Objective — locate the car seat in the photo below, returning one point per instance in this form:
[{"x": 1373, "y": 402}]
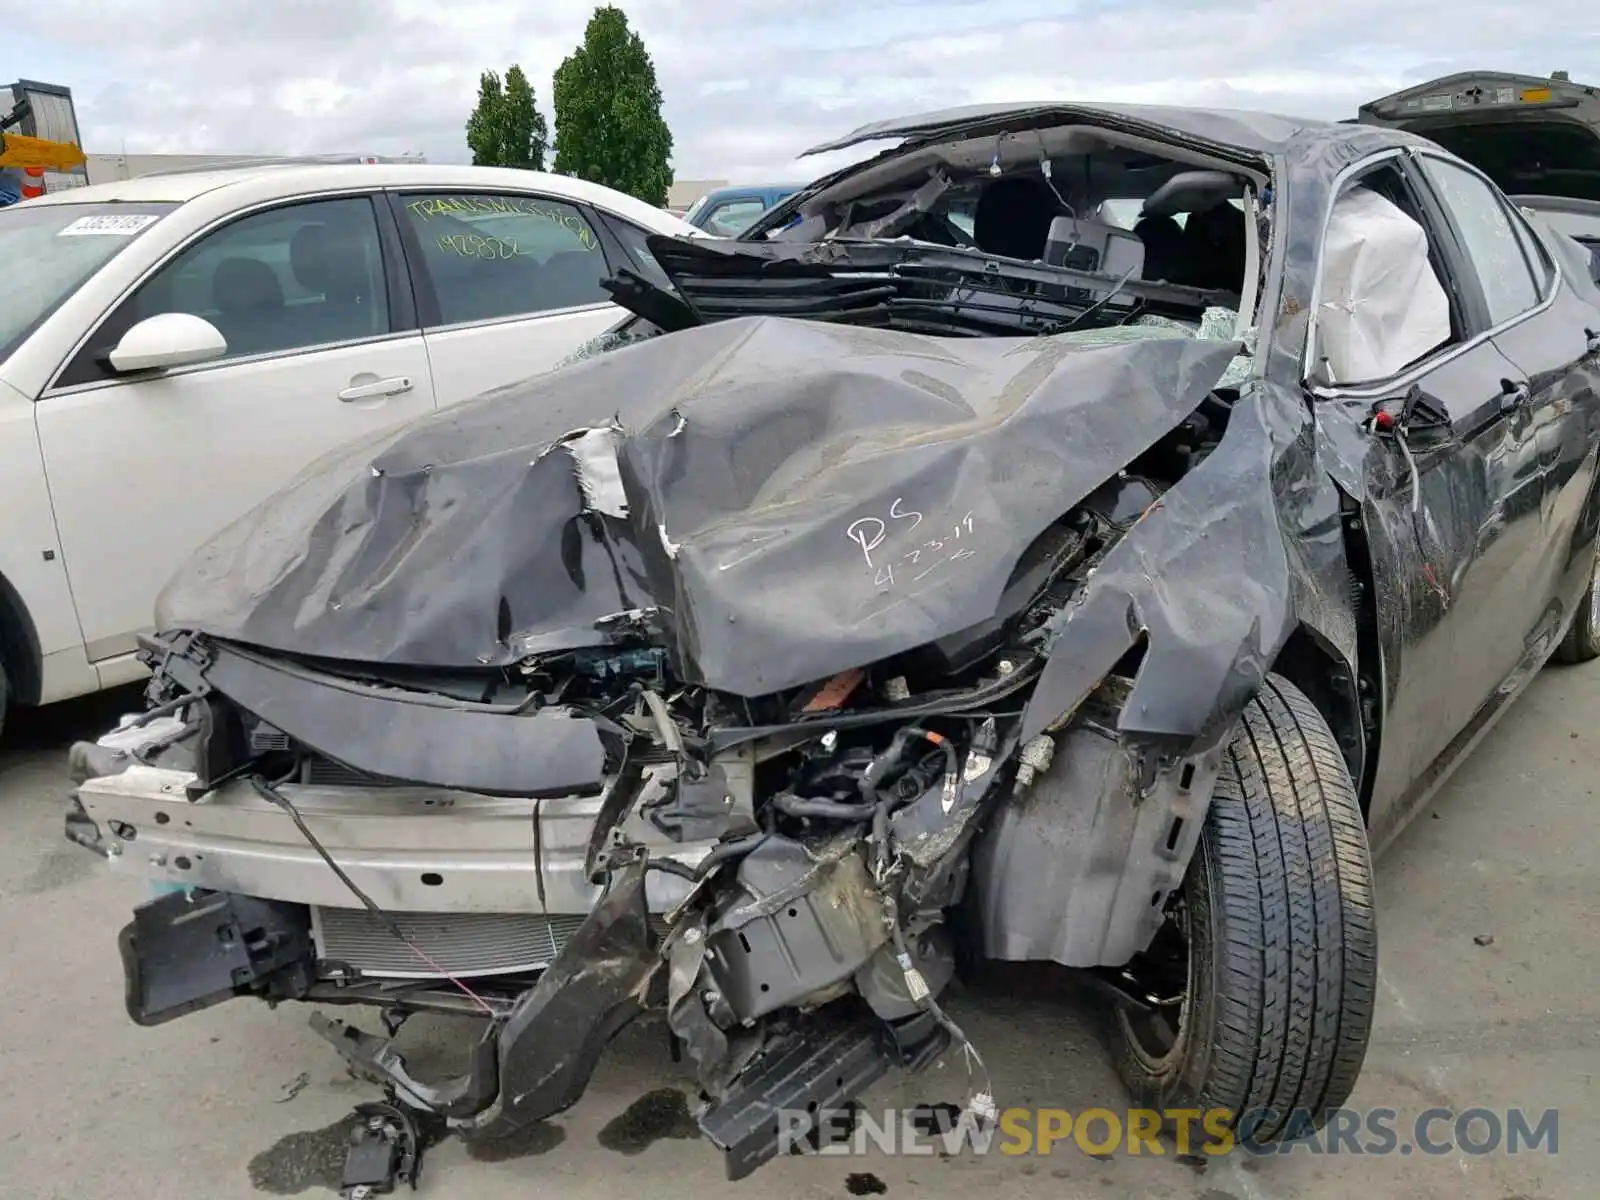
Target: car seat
[
  {"x": 329, "y": 263},
  {"x": 1214, "y": 246},
  {"x": 1211, "y": 253},
  {"x": 1013, "y": 217},
  {"x": 572, "y": 277},
  {"x": 248, "y": 299},
  {"x": 1163, "y": 247}
]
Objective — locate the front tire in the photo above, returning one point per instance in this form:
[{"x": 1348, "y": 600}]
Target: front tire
[
  {"x": 1278, "y": 938},
  {"x": 1582, "y": 643}
]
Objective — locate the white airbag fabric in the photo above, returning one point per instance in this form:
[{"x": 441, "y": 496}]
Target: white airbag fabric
[{"x": 1382, "y": 306}]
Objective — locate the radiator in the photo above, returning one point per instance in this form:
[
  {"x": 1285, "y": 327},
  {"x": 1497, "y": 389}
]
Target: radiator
[{"x": 464, "y": 944}]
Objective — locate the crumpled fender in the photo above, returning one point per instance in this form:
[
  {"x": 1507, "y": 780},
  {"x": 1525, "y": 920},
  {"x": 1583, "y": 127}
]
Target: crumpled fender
[{"x": 1214, "y": 580}]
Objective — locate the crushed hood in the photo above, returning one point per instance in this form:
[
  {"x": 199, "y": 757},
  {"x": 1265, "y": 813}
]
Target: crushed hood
[{"x": 773, "y": 500}]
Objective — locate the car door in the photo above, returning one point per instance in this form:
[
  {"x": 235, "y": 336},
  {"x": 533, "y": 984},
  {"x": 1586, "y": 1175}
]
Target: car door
[
  {"x": 322, "y": 349},
  {"x": 508, "y": 284},
  {"x": 1452, "y": 509},
  {"x": 1553, "y": 335},
  {"x": 1545, "y": 329}
]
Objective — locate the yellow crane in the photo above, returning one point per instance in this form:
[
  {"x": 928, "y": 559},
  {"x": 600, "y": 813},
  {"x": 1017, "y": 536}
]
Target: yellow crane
[
  {"x": 39, "y": 134},
  {"x": 19, "y": 150}
]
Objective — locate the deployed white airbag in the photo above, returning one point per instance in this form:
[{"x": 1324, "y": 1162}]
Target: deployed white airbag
[{"x": 1382, "y": 306}]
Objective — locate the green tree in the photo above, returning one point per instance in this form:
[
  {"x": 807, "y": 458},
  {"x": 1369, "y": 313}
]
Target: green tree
[
  {"x": 507, "y": 129},
  {"x": 609, "y": 128}
]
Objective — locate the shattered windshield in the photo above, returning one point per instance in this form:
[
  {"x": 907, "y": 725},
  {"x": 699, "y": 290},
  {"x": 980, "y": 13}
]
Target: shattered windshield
[
  {"x": 1216, "y": 324},
  {"x": 1036, "y": 232}
]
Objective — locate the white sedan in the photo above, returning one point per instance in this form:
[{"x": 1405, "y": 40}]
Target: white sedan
[{"x": 175, "y": 348}]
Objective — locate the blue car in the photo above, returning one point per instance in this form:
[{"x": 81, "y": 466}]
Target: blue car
[{"x": 729, "y": 211}]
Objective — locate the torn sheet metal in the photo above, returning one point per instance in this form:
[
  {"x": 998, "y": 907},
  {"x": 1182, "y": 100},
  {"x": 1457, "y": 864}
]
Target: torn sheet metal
[
  {"x": 1213, "y": 580},
  {"x": 536, "y": 1063},
  {"x": 801, "y": 498},
  {"x": 595, "y": 453}
]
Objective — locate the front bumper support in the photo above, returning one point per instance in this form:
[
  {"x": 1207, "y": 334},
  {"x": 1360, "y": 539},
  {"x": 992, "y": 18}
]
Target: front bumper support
[
  {"x": 413, "y": 849},
  {"x": 187, "y": 951}
]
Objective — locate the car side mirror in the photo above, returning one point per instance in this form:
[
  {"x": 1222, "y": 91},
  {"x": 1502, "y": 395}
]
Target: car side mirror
[{"x": 168, "y": 340}]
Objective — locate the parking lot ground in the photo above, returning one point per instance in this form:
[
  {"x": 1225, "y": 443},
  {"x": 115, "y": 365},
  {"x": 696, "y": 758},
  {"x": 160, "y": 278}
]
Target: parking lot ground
[{"x": 241, "y": 1101}]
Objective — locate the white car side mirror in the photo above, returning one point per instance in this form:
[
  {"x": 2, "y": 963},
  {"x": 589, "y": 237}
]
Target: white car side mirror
[{"x": 168, "y": 340}]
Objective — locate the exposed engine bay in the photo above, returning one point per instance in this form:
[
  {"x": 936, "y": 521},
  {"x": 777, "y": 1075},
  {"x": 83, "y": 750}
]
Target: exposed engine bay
[{"x": 805, "y": 851}]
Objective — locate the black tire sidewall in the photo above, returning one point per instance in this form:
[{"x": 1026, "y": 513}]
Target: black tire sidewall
[
  {"x": 1587, "y": 644},
  {"x": 1178, "y": 1080},
  {"x": 1187, "y": 1077},
  {"x": 1581, "y": 643}
]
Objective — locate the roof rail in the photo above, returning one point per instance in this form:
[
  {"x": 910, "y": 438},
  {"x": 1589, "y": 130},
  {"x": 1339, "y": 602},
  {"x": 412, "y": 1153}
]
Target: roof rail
[{"x": 306, "y": 160}]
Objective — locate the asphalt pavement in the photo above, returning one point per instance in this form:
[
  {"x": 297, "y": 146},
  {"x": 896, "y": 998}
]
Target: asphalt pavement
[{"x": 1489, "y": 999}]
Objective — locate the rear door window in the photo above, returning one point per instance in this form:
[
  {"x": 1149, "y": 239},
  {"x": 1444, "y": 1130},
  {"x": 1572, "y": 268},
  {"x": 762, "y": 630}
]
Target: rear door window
[
  {"x": 491, "y": 256},
  {"x": 1485, "y": 225}
]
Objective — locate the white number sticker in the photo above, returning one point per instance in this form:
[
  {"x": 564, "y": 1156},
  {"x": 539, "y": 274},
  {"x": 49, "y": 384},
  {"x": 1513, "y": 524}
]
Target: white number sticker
[{"x": 121, "y": 225}]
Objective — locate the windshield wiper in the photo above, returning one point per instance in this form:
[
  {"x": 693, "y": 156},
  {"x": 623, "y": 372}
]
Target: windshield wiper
[
  {"x": 912, "y": 256},
  {"x": 878, "y": 283}
]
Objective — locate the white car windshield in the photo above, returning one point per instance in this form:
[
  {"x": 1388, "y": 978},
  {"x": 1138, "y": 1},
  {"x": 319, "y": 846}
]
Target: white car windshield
[{"x": 51, "y": 249}]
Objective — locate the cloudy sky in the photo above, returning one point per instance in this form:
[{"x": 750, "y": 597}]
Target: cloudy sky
[{"x": 747, "y": 83}]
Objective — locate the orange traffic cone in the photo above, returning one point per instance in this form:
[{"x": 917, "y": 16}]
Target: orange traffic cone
[{"x": 33, "y": 184}]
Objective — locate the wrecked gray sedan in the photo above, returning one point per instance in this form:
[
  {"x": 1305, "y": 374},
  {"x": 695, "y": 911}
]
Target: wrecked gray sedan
[{"x": 946, "y": 567}]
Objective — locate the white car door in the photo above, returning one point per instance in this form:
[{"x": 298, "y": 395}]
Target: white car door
[
  {"x": 323, "y": 348},
  {"x": 508, "y": 284}
]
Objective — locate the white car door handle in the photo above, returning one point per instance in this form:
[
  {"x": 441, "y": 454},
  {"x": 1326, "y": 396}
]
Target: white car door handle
[{"x": 378, "y": 387}]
